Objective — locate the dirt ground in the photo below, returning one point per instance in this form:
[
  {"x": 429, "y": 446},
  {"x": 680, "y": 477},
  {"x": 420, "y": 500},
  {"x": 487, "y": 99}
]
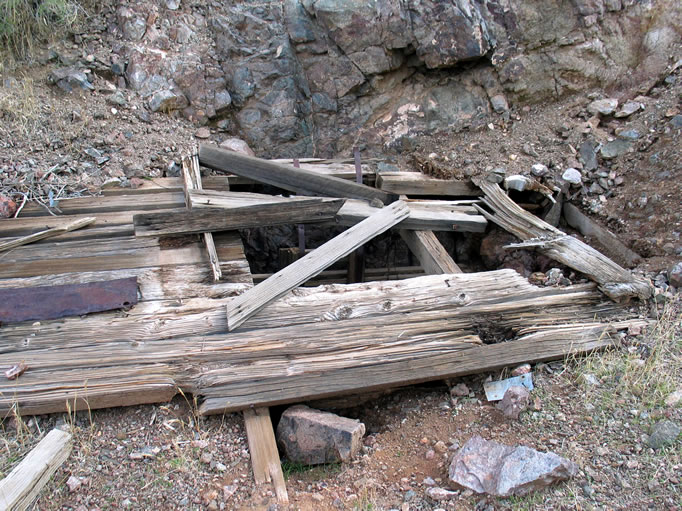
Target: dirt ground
[{"x": 166, "y": 457}]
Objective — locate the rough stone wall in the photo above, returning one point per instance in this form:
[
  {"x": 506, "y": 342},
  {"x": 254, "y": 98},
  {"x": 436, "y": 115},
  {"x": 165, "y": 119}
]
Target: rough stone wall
[{"x": 316, "y": 77}]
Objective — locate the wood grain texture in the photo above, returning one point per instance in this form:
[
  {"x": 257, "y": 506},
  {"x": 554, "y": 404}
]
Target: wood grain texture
[
  {"x": 49, "y": 233},
  {"x": 430, "y": 252},
  {"x": 299, "y": 180},
  {"x": 201, "y": 220},
  {"x": 424, "y": 216},
  {"x": 109, "y": 360},
  {"x": 263, "y": 448},
  {"x": 416, "y": 183},
  {"x": 244, "y": 306},
  {"x": 606, "y": 239},
  {"x": 23, "y": 484},
  {"x": 615, "y": 281}
]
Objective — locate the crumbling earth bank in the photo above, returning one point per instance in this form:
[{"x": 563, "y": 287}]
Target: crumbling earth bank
[{"x": 301, "y": 77}]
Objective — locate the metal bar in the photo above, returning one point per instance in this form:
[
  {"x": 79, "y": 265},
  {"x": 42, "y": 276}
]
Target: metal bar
[{"x": 52, "y": 302}]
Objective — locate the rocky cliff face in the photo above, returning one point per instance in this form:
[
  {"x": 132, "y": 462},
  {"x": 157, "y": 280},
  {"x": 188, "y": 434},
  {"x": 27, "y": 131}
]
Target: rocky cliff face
[{"x": 317, "y": 77}]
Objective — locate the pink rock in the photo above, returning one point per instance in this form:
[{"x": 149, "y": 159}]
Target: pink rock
[
  {"x": 312, "y": 437},
  {"x": 488, "y": 467},
  {"x": 7, "y": 207},
  {"x": 237, "y": 145},
  {"x": 514, "y": 401}
]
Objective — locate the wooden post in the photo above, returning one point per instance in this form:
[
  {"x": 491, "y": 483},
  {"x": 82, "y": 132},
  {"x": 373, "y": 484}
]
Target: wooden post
[
  {"x": 192, "y": 181},
  {"x": 356, "y": 261},
  {"x": 263, "y": 448}
]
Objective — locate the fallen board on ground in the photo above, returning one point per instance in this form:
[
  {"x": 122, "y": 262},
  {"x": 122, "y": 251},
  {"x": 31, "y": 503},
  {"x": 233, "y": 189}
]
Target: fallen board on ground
[
  {"x": 23, "y": 484},
  {"x": 382, "y": 335},
  {"x": 615, "y": 281}
]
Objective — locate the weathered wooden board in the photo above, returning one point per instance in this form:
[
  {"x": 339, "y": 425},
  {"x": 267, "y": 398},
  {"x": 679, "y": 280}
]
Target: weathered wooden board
[
  {"x": 430, "y": 252},
  {"x": 49, "y": 233},
  {"x": 424, "y": 216},
  {"x": 104, "y": 360},
  {"x": 263, "y": 449},
  {"x": 298, "y": 180},
  {"x": 23, "y": 484},
  {"x": 245, "y": 217},
  {"x": 606, "y": 239},
  {"x": 51, "y": 302},
  {"x": 615, "y": 281},
  {"x": 116, "y": 203},
  {"x": 244, "y": 306},
  {"x": 416, "y": 183}
]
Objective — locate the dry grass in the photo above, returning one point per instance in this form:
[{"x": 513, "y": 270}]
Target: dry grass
[{"x": 25, "y": 23}]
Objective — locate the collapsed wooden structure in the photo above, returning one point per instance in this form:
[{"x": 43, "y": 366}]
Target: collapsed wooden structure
[{"x": 200, "y": 325}]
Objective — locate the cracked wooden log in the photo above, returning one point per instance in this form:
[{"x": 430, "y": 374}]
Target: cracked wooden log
[{"x": 613, "y": 280}]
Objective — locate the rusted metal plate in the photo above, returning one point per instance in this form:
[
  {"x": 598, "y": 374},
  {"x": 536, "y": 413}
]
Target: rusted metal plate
[{"x": 52, "y": 302}]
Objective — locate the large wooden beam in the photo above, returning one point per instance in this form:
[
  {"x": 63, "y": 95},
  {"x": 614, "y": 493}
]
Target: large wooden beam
[
  {"x": 615, "y": 281},
  {"x": 263, "y": 448},
  {"x": 246, "y": 217},
  {"x": 145, "y": 356},
  {"x": 244, "y": 306},
  {"x": 546, "y": 343},
  {"x": 301, "y": 181},
  {"x": 416, "y": 183},
  {"x": 23, "y": 484}
]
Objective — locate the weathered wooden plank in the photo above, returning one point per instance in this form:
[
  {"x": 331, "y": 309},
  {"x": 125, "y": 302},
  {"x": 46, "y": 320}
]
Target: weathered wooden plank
[
  {"x": 165, "y": 184},
  {"x": 23, "y": 484},
  {"x": 430, "y": 252},
  {"x": 51, "y": 302},
  {"x": 287, "y": 177},
  {"x": 245, "y": 217},
  {"x": 192, "y": 181},
  {"x": 214, "y": 199},
  {"x": 424, "y": 216},
  {"x": 116, "y": 203},
  {"x": 49, "y": 233},
  {"x": 547, "y": 343},
  {"x": 143, "y": 356},
  {"x": 113, "y": 254},
  {"x": 263, "y": 448},
  {"x": 244, "y": 306},
  {"x": 615, "y": 281},
  {"x": 171, "y": 282},
  {"x": 416, "y": 183},
  {"x": 606, "y": 239}
]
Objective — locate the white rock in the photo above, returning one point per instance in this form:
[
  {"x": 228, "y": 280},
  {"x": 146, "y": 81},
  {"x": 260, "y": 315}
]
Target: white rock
[
  {"x": 674, "y": 398},
  {"x": 603, "y": 106},
  {"x": 517, "y": 182},
  {"x": 539, "y": 169},
  {"x": 572, "y": 176}
]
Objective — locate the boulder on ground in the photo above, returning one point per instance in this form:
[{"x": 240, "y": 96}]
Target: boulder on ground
[
  {"x": 488, "y": 467},
  {"x": 237, "y": 145},
  {"x": 312, "y": 437}
]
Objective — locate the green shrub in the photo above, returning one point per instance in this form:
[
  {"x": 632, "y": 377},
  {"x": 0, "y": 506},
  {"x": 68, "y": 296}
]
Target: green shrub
[{"x": 25, "y": 22}]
